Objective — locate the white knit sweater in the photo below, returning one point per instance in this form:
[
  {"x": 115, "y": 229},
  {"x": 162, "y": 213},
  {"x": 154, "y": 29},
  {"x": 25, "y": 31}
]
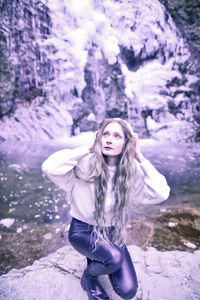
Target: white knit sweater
[{"x": 150, "y": 186}]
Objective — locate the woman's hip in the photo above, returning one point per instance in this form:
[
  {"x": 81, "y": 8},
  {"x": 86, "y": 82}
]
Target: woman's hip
[{"x": 78, "y": 227}]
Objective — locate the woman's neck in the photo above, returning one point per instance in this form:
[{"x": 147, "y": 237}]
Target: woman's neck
[{"x": 112, "y": 160}]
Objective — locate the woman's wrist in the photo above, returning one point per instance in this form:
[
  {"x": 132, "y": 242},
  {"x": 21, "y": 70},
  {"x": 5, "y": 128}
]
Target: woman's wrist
[
  {"x": 140, "y": 157},
  {"x": 91, "y": 141}
]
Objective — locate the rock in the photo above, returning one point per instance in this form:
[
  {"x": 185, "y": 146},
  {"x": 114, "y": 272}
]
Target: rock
[
  {"x": 24, "y": 68},
  {"x": 48, "y": 236},
  {"x": 175, "y": 230},
  {"x": 186, "y": 16},
  {"x": 161, "y": 275},
  {"x": 7, "y": 222}
]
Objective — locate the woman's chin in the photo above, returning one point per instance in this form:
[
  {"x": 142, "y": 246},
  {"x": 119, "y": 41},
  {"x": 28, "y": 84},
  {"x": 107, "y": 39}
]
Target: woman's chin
[{"x": 107, "y": 153}]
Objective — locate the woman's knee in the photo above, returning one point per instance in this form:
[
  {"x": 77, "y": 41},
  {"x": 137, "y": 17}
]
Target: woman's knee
[
  {"x": 115, "y": 259},
  {"x": 126, "y": 288},
  {"x": 128, "y": 292}
]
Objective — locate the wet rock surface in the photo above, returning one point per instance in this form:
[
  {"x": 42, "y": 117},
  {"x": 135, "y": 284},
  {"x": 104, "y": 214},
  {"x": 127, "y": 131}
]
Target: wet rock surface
[
  {"x": 21, "y": 249},
  {"x": 170, "y": 228},
  {"x": 161, "y": 275},
  {"x": 178, "y": 229}
]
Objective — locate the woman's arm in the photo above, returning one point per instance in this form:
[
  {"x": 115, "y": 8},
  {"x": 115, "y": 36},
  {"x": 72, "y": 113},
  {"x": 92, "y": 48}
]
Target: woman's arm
[
  {"x": 58, "y": 167},
  {"x": 150, "y": 186}
]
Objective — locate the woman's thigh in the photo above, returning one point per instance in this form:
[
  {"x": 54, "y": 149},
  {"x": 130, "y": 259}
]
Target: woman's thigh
[
  {"x": 85, "y": 243},
  {"x": 80, "y": 236}
]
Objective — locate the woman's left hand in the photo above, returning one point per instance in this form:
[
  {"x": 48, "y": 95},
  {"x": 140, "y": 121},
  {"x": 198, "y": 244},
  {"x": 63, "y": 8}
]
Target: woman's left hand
[{"x": 138, "y": 154}]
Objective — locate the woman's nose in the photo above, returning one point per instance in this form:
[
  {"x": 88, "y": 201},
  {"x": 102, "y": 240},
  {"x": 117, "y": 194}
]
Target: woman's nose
[{"x": 109, "y": 140}]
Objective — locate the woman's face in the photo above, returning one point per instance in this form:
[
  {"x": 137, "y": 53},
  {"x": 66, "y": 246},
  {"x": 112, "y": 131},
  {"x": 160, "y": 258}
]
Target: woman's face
[{"x": 112, "y": 140}]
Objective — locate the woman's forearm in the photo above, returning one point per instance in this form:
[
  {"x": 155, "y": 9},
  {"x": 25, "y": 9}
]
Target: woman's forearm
[{"x": 61, "y": 162}]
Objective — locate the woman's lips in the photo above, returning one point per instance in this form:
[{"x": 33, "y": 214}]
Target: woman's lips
[{"x": 108, "y": 148}]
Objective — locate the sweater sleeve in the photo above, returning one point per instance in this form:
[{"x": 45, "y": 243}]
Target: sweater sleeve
[
  {"x": 59, "y": 166},
  {"x": 150, "y": 186}
]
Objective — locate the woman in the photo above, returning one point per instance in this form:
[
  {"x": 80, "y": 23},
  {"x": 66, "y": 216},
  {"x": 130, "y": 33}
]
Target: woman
[{"x": 102, "y": 179}]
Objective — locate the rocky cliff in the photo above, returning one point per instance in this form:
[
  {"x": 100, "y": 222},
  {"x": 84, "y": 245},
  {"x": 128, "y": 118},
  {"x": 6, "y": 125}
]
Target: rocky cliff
[
  {"x": 186, "y": 14},
  {"x": 67, "y": 65},
  {"x": 24, "y": 68}
]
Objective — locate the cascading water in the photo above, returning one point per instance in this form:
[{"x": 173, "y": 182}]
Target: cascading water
[
  {"x": 121, "y": 58},
  {"x": 110, "y": 58}
]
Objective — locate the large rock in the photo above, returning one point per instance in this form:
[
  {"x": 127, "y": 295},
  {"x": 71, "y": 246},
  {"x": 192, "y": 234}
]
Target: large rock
[{"x": 161, "y": 275}]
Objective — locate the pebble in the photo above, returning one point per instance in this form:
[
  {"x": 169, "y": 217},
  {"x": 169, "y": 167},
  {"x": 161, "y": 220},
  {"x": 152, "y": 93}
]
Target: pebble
[
  {"x": 19, "y": 230},
  {"x": 37, "y": 216},
  {"x": 7, "y": 222},
  {"x": 190, "y": 245},
  {"x": 48, "y": 236},
  {"x": 172, "y": 224}
]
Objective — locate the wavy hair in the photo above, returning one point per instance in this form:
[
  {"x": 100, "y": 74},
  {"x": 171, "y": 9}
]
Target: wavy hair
[{"x": 121, "y": 183}]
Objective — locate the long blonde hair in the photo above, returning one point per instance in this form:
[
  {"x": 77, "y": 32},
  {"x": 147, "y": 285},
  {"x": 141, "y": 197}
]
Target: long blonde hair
[{"x": 121, "y": 183}]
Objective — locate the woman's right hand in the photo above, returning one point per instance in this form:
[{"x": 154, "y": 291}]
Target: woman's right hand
[{"x": 91, "y": 140}]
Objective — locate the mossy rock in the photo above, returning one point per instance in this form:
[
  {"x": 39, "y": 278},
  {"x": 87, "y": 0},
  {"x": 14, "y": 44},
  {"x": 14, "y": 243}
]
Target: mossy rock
[{"x": 177, "y": 229}]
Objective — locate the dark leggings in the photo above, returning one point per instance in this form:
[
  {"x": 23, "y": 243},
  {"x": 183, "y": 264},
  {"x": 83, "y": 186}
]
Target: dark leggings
[{"x": 105, "y": 258}]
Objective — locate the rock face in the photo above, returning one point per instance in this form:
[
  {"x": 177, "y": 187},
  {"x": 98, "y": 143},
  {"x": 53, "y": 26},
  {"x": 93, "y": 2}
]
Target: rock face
[
  {"x": 22, "y": 78},
  {"x": 186, "y": 14},
  {"x": 161, "y": 275},
  {"x": 74, "y": 63},
  {"x": 25, "y": 70}
]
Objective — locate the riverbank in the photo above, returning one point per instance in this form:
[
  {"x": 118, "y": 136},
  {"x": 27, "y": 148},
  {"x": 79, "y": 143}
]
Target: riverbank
[
  {"x": 172, "y": 228},
  {"x": 34, "y": 213}
]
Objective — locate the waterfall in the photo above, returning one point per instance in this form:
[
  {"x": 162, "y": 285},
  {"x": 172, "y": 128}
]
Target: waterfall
[{"x": 112, "y": 59}]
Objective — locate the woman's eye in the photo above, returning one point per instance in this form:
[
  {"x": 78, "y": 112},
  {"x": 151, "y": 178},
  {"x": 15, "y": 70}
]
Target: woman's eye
[
  {"x": 105, "y": 134},
  {"x": 117, "y": 136}
]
